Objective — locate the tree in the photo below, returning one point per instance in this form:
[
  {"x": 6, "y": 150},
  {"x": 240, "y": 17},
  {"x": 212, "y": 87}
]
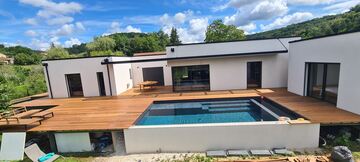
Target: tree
[
  {"x": 217, "y": 31},
  {"x": 174, "y": 37},
  {"x": 57, "y": 53},
  {"x": 101, "y": 44}
]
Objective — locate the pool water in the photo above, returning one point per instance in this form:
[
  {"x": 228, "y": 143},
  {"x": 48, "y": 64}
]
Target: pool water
[{"x": 205, "y": 111}]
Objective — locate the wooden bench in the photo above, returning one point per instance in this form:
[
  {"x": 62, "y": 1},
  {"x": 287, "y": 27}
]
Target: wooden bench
[
  {"x": 20, "y": 122},
  {"x": 43, "y": 114},
  {"x": 23, "y": 112}
]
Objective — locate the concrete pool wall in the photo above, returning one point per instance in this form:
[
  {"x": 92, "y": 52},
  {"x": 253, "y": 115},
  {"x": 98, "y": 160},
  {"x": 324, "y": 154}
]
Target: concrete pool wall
[{"x": 203, "y": 137}]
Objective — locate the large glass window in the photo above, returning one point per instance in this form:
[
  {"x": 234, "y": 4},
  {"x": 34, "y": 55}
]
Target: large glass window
[
  {"x": 323, "y": 81},
  {"x": 191, "y": 78}
]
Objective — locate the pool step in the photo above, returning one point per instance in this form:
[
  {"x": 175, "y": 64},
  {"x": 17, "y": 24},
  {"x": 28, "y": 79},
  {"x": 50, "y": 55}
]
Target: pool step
[
  {"x": 237, "y": 109},
  {"x": 225, "y": 106}
]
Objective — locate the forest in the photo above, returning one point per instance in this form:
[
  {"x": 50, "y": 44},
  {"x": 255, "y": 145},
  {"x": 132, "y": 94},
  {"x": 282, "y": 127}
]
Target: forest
[{"x": 26, "y": 76}]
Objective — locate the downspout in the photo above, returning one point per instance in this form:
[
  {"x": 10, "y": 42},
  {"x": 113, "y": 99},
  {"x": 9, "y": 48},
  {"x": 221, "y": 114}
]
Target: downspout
[
  {"x": 48, "y": 79},
  {"x": 108, "y": 74}
]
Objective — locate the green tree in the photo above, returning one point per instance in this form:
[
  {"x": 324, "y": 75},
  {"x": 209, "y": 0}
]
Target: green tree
[
  {"x": 217, "y": 31},
  {"x": 57, "y": 53},
  {"x": 101, "y": 44},
  {"x": 27, "y": 59},
  {"x": 174, "y": 37}
]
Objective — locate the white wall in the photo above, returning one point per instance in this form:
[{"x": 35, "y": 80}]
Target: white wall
[
  {"x": 73, "y": 142},
  {"x": 231, "y": 73},
  {"x": 203, "y": 137},
  {"x": 137, "y": 69},
  {"x": 343, "y": 49},
  {"x": 88, "y": 67},
  {"x": 120, "y": 75}
]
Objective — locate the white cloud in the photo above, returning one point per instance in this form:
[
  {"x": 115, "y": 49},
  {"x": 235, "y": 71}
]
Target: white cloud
[
  {"x": 130, "y": 29},
  {"x": 115, "y": 27},
  {"x": 248, "y": 28},
  {"x": 310, "y": 2},
  {"x": 178, "y": 19},
  {"x": 55, "y": 40},
  {"x": 50, "y": 8},
  {"x": 71, "y": 42},
  {"x": 64, "y": 30},
  {"x": 68, "y": 29},
  {"x": 80, "y": 26},
  {"x": 39, "y": 44},
  {"x": 264, "y": 10},
  {"x": 343, "y": 6},
  {"x": 287, "y": 20},
  {"x": 31, "y": 33},
  {"x": 60, "y": 20},
  {"x": 195, "y": 32},
  {"x": 31, "y": 21},
  {"x": 235, "y": 4}
]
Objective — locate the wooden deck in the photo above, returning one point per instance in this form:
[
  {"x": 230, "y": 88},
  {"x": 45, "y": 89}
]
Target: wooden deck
[{"x": 121, "y": 112}]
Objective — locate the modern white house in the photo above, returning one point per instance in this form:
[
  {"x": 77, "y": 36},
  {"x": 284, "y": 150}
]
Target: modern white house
[
  {"x": 189, "y": 67},
  {"x": 322, "y": 68},
  {"x": 306, "y": 67}
]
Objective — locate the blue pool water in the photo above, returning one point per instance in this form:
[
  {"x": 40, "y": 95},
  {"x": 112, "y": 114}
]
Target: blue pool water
[{"x": 208, "y": 111}]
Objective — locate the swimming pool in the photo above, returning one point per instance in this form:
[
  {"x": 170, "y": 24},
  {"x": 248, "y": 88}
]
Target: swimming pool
[{"x": 209, "y": 111}]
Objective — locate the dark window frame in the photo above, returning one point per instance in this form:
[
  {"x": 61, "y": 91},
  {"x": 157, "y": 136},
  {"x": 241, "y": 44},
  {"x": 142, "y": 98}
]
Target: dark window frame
[
  {"x": 173, "y": 80},
  {"x": 307, "y": 83},
  {"x": 99, "y": 86},
  {"x": 67, "y": 84},
  {"x": 261, "y": 72}
]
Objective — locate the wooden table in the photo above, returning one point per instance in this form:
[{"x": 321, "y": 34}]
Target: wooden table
[{"x": 150, "y": 84}]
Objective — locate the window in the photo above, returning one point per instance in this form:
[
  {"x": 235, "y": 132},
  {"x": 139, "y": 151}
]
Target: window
[
  {"x": 323, "y": 81},
  {"x": 191, "y": 78}
]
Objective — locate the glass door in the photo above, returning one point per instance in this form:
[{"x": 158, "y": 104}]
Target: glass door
[
  {"x": 254, "y": 74},
  {"x": 316, "y": 80},
  {"x": 101, "y": 83},
  {"x": 323, "y": 81},
  {"x": 74, "y": 85}
]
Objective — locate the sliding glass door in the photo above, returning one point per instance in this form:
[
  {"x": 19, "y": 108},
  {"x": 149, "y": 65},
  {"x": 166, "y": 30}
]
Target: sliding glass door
[
  {"x": 191, "y": 78},
  {"x": 323, "y": 81}
]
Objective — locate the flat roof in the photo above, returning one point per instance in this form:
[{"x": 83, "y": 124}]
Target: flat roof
[
  {"x": 195, "y": 57},
  {"x": 149, "y": 53},
  {"x": 219, "y": 49},
  {"x": 256, "y": 39},
  {"x": 325, "y": 36}
]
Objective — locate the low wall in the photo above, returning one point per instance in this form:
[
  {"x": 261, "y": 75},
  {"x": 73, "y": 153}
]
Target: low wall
[
  {"x": 73, "y": 142},
  {"x": 202, "y": 137}
]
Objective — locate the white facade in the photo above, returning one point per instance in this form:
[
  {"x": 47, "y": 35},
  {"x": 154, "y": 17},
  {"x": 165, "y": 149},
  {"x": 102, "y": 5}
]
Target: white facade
[
  {"x": 228, "y": 73},
  {"x": 137, "y": 69},
  {"x": 224, "y": 136},
  {"x": 343, "y": 49},
  {"x": 87, "y": 68}
]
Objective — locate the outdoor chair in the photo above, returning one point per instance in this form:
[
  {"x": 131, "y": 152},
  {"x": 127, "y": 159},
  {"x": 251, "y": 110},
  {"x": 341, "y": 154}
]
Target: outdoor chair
[{"x": 33, "y": 152}]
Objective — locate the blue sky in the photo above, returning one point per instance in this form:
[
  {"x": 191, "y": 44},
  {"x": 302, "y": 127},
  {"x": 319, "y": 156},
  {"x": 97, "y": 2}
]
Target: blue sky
[{"x": 38, "y": 23}]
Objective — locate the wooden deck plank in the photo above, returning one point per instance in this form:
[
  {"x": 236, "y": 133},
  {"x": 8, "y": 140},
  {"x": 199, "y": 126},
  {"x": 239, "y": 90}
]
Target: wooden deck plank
[{"x": 121, "y": 112}]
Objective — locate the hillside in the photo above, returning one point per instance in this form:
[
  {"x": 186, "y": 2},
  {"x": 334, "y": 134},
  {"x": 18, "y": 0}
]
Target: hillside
[{"x": 327, "y": 25}]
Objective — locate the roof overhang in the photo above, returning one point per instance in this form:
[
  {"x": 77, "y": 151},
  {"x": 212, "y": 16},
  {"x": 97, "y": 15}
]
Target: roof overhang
[{"x": 106, "y": 61}]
